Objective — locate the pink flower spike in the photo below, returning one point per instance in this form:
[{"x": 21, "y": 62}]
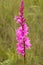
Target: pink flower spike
[{"x": 22, "y": 32}]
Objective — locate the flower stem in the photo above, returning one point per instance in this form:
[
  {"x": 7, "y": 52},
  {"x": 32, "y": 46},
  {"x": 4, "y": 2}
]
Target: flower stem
[{"x": 24, "y": 55}]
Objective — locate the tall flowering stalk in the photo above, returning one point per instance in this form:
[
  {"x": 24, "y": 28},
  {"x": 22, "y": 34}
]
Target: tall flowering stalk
[{"x": 22, "y": 32}]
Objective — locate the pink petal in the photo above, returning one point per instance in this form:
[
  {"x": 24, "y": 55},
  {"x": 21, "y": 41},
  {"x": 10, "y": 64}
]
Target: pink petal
[
  {"x": 19, "y": 21},
  {"x": 16, "y": 17}
]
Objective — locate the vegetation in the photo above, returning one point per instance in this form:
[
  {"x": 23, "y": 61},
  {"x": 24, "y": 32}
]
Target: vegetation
[{"x": 34, "y": 18}]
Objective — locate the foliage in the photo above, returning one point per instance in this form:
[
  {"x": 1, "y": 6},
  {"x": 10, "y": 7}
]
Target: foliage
[{"x": 34, "y": 18}]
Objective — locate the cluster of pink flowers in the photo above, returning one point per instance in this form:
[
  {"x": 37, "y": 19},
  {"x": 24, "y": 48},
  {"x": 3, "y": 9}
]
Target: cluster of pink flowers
[{"x": 22, "y": 31}]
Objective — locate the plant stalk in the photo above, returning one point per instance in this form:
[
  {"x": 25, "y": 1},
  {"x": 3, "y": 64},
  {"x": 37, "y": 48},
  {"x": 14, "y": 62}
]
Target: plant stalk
[{"x": 24, "y": 55}]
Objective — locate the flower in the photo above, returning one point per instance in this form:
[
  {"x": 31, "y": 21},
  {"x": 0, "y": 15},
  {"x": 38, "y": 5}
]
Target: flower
[
  {"x": 27, "y": 43},
  {"x": 16, "y": 17},
  {"x": 20, "y": 49},
  {"x": 22, "y": 32}
]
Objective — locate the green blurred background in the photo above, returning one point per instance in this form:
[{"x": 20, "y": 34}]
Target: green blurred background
[{"x": 33, "y": 13}]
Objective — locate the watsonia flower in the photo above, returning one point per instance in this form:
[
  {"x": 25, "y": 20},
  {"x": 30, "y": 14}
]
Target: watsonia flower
[{"x": 22, "y": 31}]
